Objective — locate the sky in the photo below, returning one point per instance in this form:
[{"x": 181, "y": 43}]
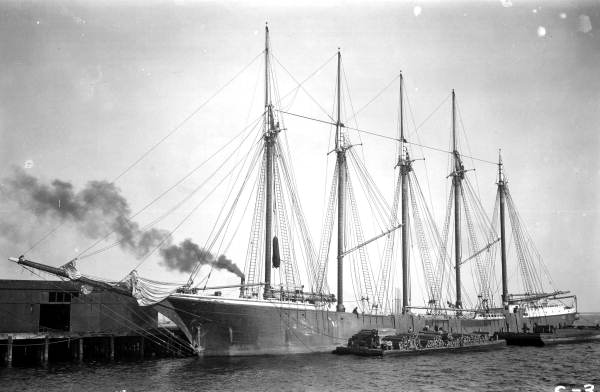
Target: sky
[{"x": 87, "y": 88}]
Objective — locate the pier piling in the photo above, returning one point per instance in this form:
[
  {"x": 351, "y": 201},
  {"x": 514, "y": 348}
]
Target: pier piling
[
  {"x": 46, "y": 350},
  {"x": 47, "y": 347},
  {"x": 80, "y": 356},
  {"x": 141, "y": 347},
  {"x": 112, "y": 348},
  {"x": 9, "y": 354}
]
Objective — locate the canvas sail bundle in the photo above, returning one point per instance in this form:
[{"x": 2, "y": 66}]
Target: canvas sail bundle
[{"x": 149, "y": 292}]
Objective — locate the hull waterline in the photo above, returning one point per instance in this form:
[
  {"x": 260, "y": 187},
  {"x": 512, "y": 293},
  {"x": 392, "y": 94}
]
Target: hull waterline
[{"x": 221, "y": 326}]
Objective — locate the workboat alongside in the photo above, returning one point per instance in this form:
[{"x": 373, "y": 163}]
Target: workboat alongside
[
  {"x": 545, "y": 335},
  {"x": 276, "y": 309},
  {"x": 369, "y": 344}
]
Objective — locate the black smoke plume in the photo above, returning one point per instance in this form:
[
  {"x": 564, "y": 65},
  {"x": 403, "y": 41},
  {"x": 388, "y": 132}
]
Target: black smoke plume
[
  {"x": 96, "y": 210},
  {"x": 187, "y": 254},
  {"x": 99, "y": 209}
]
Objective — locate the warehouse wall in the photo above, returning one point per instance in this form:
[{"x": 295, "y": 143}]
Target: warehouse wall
[{"x": 99, "y": 311}]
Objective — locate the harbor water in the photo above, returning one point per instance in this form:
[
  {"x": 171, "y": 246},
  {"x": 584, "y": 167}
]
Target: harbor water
[{"x": 507, "y": 369}]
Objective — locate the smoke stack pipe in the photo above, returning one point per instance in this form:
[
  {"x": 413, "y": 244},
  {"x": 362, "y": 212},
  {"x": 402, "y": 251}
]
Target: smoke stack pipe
[{"x": 242, "y": 288}]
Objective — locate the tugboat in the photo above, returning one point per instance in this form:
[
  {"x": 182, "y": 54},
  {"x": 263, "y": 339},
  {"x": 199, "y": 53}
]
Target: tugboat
[
  {"x": 368, "y": 343},
  {"x": 544, "y": 335}
]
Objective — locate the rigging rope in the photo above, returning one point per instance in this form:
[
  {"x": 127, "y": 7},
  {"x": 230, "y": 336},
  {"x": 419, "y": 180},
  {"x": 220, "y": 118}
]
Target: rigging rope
[
  {"x": 526, "y": 252},
  {"x": 300, "y": 84},
  {"x": 326, "y": 233},
  {"x": 186, "y": 217},
  {"x": 187, "y": 118},
  {"x": 412, "y": 118},
  {"x": 256, "y": 240},
  {"x": 160, "y": 141},
  {"x": 444, "y": 249},
  {"x": 385, "y": 276},
  {"x": 209, "y": 244},
  {"x": 367, "y": 274},
  {"x": 168, "y": 212},
  {"x": 429, "y": 116},
  {"x": 309, "y": 249},
  {"x": 83, "y": 255},
  {"x": 373, "y": 133},
  {"x": 356, "y": 113},
  {"x": 430, "y": 269}
]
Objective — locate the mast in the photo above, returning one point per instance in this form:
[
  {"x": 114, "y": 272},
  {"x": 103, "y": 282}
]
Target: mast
[
  {"x": 269, "y": 138},
  {"x": 405, "y": 168},
  {"x": 501, "y": 191},
  {"x": 341, "y": 165},
  {"x": 457, "y": 177}
]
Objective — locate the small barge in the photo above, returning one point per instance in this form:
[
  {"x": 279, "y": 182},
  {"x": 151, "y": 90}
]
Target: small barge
[
  {"x": 544, "y": 335},
  {"x": 368, "y": 343}
]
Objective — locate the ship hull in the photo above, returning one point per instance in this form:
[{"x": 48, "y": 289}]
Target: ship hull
[
  {"x": 218, "y": 326},
  {"x": 224, "y": 327}
]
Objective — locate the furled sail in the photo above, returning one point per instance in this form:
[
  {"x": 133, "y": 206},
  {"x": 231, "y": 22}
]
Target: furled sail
[
  {"x": 276, "y": 257},
  {"x": 149, "y": 292},
  {"x": 71, "y": 269}
]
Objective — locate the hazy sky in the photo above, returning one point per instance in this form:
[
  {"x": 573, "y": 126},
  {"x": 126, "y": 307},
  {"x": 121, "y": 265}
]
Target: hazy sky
[{"x": 87, "y": 87}]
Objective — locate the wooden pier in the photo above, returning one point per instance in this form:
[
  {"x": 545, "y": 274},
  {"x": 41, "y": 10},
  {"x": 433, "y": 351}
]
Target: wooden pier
[
  {"x": 43, "y": 348},
  {"x": 49, "y": 321}
]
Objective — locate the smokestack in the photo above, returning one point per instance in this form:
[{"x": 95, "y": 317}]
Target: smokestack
[{"x": 242, "y": 287}]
